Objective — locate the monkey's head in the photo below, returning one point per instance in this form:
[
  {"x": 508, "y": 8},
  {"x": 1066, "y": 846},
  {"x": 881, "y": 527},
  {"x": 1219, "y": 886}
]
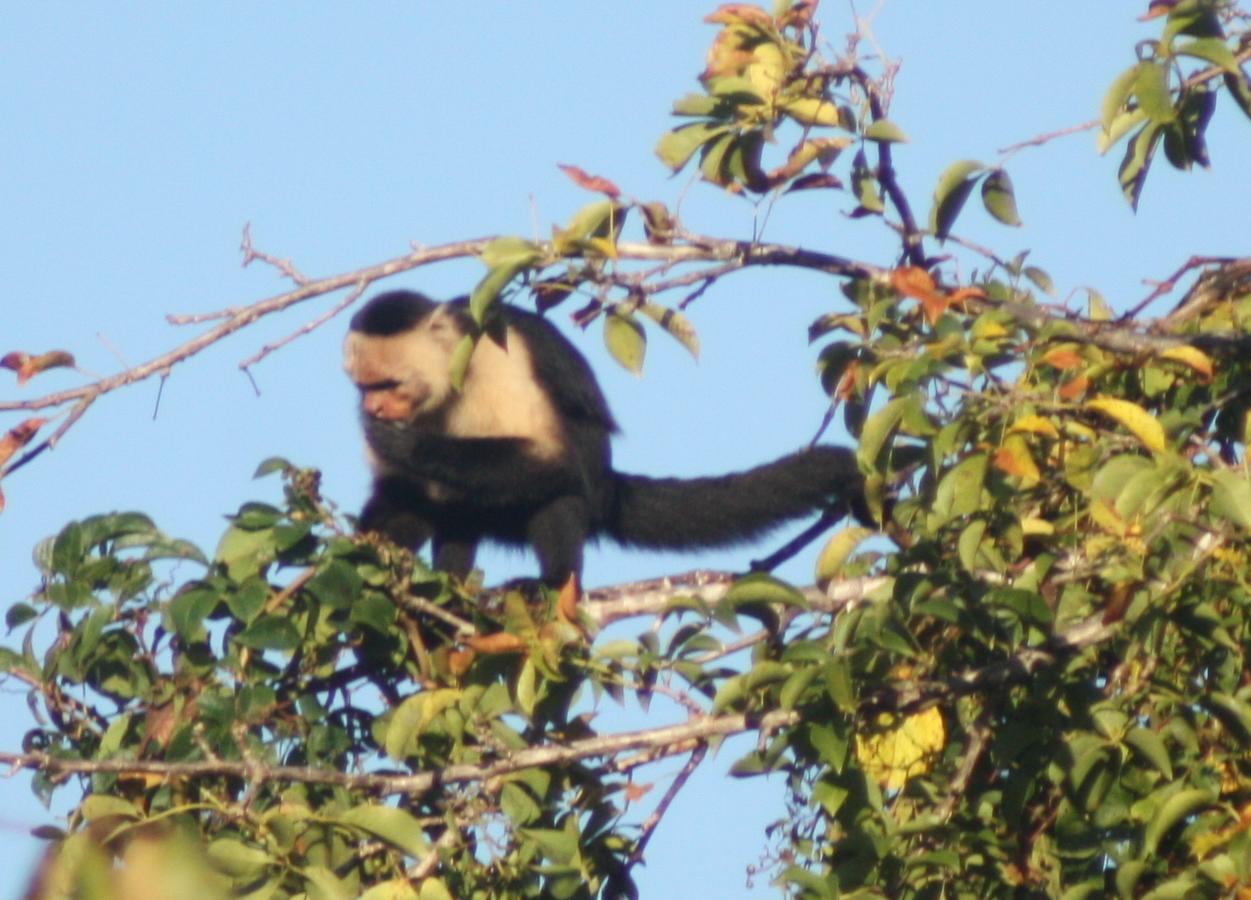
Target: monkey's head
[{"x": 398, "y": 354}]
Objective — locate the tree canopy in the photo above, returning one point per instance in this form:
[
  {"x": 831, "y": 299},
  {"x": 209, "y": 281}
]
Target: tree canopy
[{"x": 1029, "y": 678}]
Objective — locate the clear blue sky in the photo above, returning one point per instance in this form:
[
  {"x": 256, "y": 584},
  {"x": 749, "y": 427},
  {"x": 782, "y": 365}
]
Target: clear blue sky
[{"x": 140, "y": 137}]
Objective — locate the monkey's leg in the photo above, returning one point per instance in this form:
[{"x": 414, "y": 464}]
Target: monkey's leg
[
  {"x": 454, "y": 555},
  {"x": 557, "y": 531}
]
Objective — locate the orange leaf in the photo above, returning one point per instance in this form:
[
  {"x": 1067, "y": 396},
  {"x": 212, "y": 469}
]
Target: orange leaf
[
  {"x": 1063, "y": 358},
  {"x": 590, "y": 182},
  {"x": 959, "y": 295},
  {"x": 634, "y": 792},
  {"x": 732, "y": 13},
  {"x": 500, "y": 642},
  {"x": 846, "y": 389},
  {"x": 1014, "y": 458},
  {"x": 458, "y": 661},
  {"x": 18, "y": 437},
  {"x": 915, "y": 282},
  {"x": 1074, "y": 388},
  {"x": 1157, "y": 8}
]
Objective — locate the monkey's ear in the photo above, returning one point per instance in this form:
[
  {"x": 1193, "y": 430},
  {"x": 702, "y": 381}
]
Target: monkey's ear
[{"x": 497, "y": 330}]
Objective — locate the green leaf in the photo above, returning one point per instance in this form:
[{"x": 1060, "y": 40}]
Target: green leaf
[
  {"x": 271, "y": 465},
  {"x": 838, "y": 549},
  {"x": 959, "y": 492},
  {"x": 625, "y": 340},
  {"x": 695, "y": 105},
  {"x": 323, "y": 884},
  {"x": 952, "y": 190},
  {"x": 400, "y": 889},
  {"x": 675, "y": 324},
  {"x": 886, "y": 132},
  {"x": 1040, "y": 279},
  {"x": 434, "y": 889},
  {"x": 1137, "y": 162},
  {"x": 558, "y": 846},
  {"x": 877, "y": 431},
  {"x": 761, "y": 587},
  {"x": 1117, "y": 95},
  {"x": 1151, "y": 89},
  {"x": 999, "y": 198},
  {"x": 102, "y": 806},
  {"x": 245, "y": 552},
  {"x": 19, "y": 614},
  {"x": 676, "y": 148},
  {"x": 246, "y": 603},
  {"x": 1150, "y": 746},
  {"x": 1239, "y": 88},
  {"x": 459, "y": 364},
  {"x": 796, "y": 684},
  {"x": 269, "y": 633},
  {"x": 518, "y": 805},
  {"x": 1231, "y": 497},
  {"x": 506, "y": 251},
  {"x": 1171, "y": 812},
  {"x": 1233, "y": 713},
  {"x": 969, "y": 543},
  {"x": 527, "y": 687},
  {"x": 188, "y": 610},
  {"x": 413, "y": 715},
  {"x": 488, "y": 289},
  {"x": 601, "y": 218},
  {"x": 397, "y": 827},
  {"x": 1213, "y": 50},
  {"x": 238, "y": 859}
]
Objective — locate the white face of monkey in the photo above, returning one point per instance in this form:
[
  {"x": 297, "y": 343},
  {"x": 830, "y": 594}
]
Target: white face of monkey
[{"x": 404, "y": 377}]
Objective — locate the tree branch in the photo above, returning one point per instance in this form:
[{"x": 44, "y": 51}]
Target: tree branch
[{"x": 385, "y": 784}]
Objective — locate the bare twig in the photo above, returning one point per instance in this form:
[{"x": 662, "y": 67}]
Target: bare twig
[
  {"x": 654, "y": 818},
  {"x": 1040, "y": 139},
  {"x": 307, "y": 327},
  {"x": 251, "y": 254}
]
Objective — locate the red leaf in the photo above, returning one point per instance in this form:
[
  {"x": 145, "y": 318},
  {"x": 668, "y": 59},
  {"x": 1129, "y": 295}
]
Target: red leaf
[
  {"x": 27, "y": 366},
  {"x": 590, "y": 182}
]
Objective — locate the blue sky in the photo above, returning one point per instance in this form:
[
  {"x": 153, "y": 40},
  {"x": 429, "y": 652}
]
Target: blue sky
[{"x": 140, "y": 137}]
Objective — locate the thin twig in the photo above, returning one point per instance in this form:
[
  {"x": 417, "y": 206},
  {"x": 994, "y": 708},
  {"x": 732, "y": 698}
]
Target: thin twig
[{"x": 653, "y": 820}]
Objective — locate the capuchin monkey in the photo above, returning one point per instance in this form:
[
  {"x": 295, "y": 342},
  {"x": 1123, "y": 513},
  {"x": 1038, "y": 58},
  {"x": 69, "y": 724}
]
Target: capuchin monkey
[{"x": 521, "y": 453}]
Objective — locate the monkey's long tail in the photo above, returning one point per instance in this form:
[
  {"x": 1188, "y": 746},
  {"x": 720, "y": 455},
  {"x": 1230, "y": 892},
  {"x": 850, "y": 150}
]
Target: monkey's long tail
[{"x": 686, "y": 513}]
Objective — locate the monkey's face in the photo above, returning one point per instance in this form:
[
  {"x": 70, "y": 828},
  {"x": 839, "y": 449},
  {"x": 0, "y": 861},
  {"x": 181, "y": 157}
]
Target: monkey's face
[{"x": 403, "y": 378}]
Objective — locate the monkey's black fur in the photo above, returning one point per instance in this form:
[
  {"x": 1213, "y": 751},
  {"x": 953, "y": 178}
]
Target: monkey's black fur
[{"x": 458, "y": 489}]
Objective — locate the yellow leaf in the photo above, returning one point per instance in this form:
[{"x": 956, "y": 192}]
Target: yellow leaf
[
  {"x": 1103, "y": 515},
  {"x": 1034, "y": 526},
  {"x": 1133, "y": 417},
  {"x": 604, "y": 246},
  {"x": 1035, "y": 425},
  {"x": 811, "y": 111},
  {"x": 903, "y": 749},
  {"x": 1192, "y": 358}
]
